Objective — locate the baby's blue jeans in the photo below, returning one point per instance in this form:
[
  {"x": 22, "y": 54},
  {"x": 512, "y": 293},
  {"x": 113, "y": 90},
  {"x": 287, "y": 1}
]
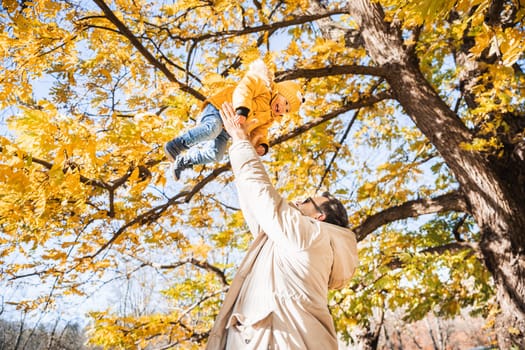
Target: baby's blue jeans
[{"x": 210, "y": 133}]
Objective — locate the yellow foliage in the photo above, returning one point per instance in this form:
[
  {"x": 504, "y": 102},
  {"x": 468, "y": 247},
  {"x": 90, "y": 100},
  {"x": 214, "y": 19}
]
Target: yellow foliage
[
  {"x": 200, "y": 250},
  {"x": 85, "y": 190},
  {"x": 511, "y": 46},
  {"x": 514, "y": 330}
]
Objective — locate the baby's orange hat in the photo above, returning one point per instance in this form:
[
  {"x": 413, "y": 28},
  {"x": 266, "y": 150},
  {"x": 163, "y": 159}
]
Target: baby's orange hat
[{"x": 292, "y": 92}]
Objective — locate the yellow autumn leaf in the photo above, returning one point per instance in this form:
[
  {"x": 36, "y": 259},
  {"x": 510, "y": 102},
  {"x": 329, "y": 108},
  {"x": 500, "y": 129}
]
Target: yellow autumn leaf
[
  {"x": 200, "y": 250},
  {"x": 55, "y": 255},
  {"x": 483, "y": 41},
  {"x": 514, "y": 330},
  {"x": 511, "y": 46}
]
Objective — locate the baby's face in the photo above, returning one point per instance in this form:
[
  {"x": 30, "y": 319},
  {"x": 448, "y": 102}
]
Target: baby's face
[{"x": 280, "y": 105}]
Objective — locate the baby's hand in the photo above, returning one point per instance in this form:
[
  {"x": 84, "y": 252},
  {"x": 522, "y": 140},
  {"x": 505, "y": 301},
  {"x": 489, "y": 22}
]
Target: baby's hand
[{"x": 240, "y": 119}]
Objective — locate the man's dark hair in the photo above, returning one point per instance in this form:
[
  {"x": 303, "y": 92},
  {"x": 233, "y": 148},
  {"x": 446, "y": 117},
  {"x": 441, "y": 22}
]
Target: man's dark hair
[{"x": 334, "y": 211}]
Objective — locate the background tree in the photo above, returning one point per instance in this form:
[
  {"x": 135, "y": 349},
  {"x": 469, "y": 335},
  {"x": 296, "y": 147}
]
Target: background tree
[
  {"x": 415, "y": 108},
  {"x": 55, "y": 336}
]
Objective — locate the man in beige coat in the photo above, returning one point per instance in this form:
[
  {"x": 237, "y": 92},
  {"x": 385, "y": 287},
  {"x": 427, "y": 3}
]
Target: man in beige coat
[{"x": 278, "y": 298}]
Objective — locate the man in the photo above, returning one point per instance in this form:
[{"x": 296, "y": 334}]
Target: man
[{"x": 278, "y": 298}]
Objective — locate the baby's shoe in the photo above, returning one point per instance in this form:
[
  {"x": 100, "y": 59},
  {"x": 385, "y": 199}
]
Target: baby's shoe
[{"x": 180, "y": 165}]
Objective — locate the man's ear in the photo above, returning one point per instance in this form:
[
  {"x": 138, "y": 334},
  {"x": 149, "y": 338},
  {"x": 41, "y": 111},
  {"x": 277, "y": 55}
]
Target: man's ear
[{"x": 321, "y": 217}]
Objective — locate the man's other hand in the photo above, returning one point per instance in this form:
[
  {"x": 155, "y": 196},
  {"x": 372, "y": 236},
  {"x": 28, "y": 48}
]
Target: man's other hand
[{"x": 232, "y": 123}]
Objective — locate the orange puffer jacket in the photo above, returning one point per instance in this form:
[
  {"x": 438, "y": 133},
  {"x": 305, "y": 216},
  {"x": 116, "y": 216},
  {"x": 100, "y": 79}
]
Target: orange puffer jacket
[{"x": 255, "y": 92}]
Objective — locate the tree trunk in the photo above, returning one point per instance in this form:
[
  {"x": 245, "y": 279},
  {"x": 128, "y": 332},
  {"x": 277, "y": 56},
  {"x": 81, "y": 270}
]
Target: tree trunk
[
  {"x": 496, "y": 201},
  {"x": 367, "y": 339},
  {"x": 431, "y": 335}
]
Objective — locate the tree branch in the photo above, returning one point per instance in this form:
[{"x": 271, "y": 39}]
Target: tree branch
[
  {"x": 453, "y": 201},
  {"x": 338, "y": 147},
  {"x": 200, "y": 264},
  {"x": 147, "y": 55},
  {"x": 453, "y": 247},
  {"x": 330, "y": 70},
  {"x": 142, "y": 219},
  {"x": 261, "y": 28},
  {"x": 343, "y": 138},
  {"x": 67, "y": 166},
  {"x": 365, "y": 102}
]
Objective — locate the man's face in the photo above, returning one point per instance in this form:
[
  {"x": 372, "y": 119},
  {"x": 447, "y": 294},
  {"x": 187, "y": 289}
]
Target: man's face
[
  {"x": 280, "y": 105},
  {"x": 311, "y": 207}
]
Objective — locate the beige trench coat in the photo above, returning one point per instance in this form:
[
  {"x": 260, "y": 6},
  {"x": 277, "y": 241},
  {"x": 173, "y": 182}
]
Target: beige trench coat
[{"x": 278, "y": 298}]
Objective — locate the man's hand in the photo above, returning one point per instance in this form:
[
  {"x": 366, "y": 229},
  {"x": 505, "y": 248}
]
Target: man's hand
[{"x": 232, "y": 123}]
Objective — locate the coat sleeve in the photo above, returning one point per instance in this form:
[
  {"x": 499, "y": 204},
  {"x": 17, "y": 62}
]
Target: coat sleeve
[
  {"x": 260, "y": 135},
  {"x": 249, "y": 217},
  {"x": 267, "y": 210},
  {"x": 248, "y": 88}
]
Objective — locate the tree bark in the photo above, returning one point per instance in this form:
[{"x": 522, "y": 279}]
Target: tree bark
[{"x": 498, "y": 208}]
